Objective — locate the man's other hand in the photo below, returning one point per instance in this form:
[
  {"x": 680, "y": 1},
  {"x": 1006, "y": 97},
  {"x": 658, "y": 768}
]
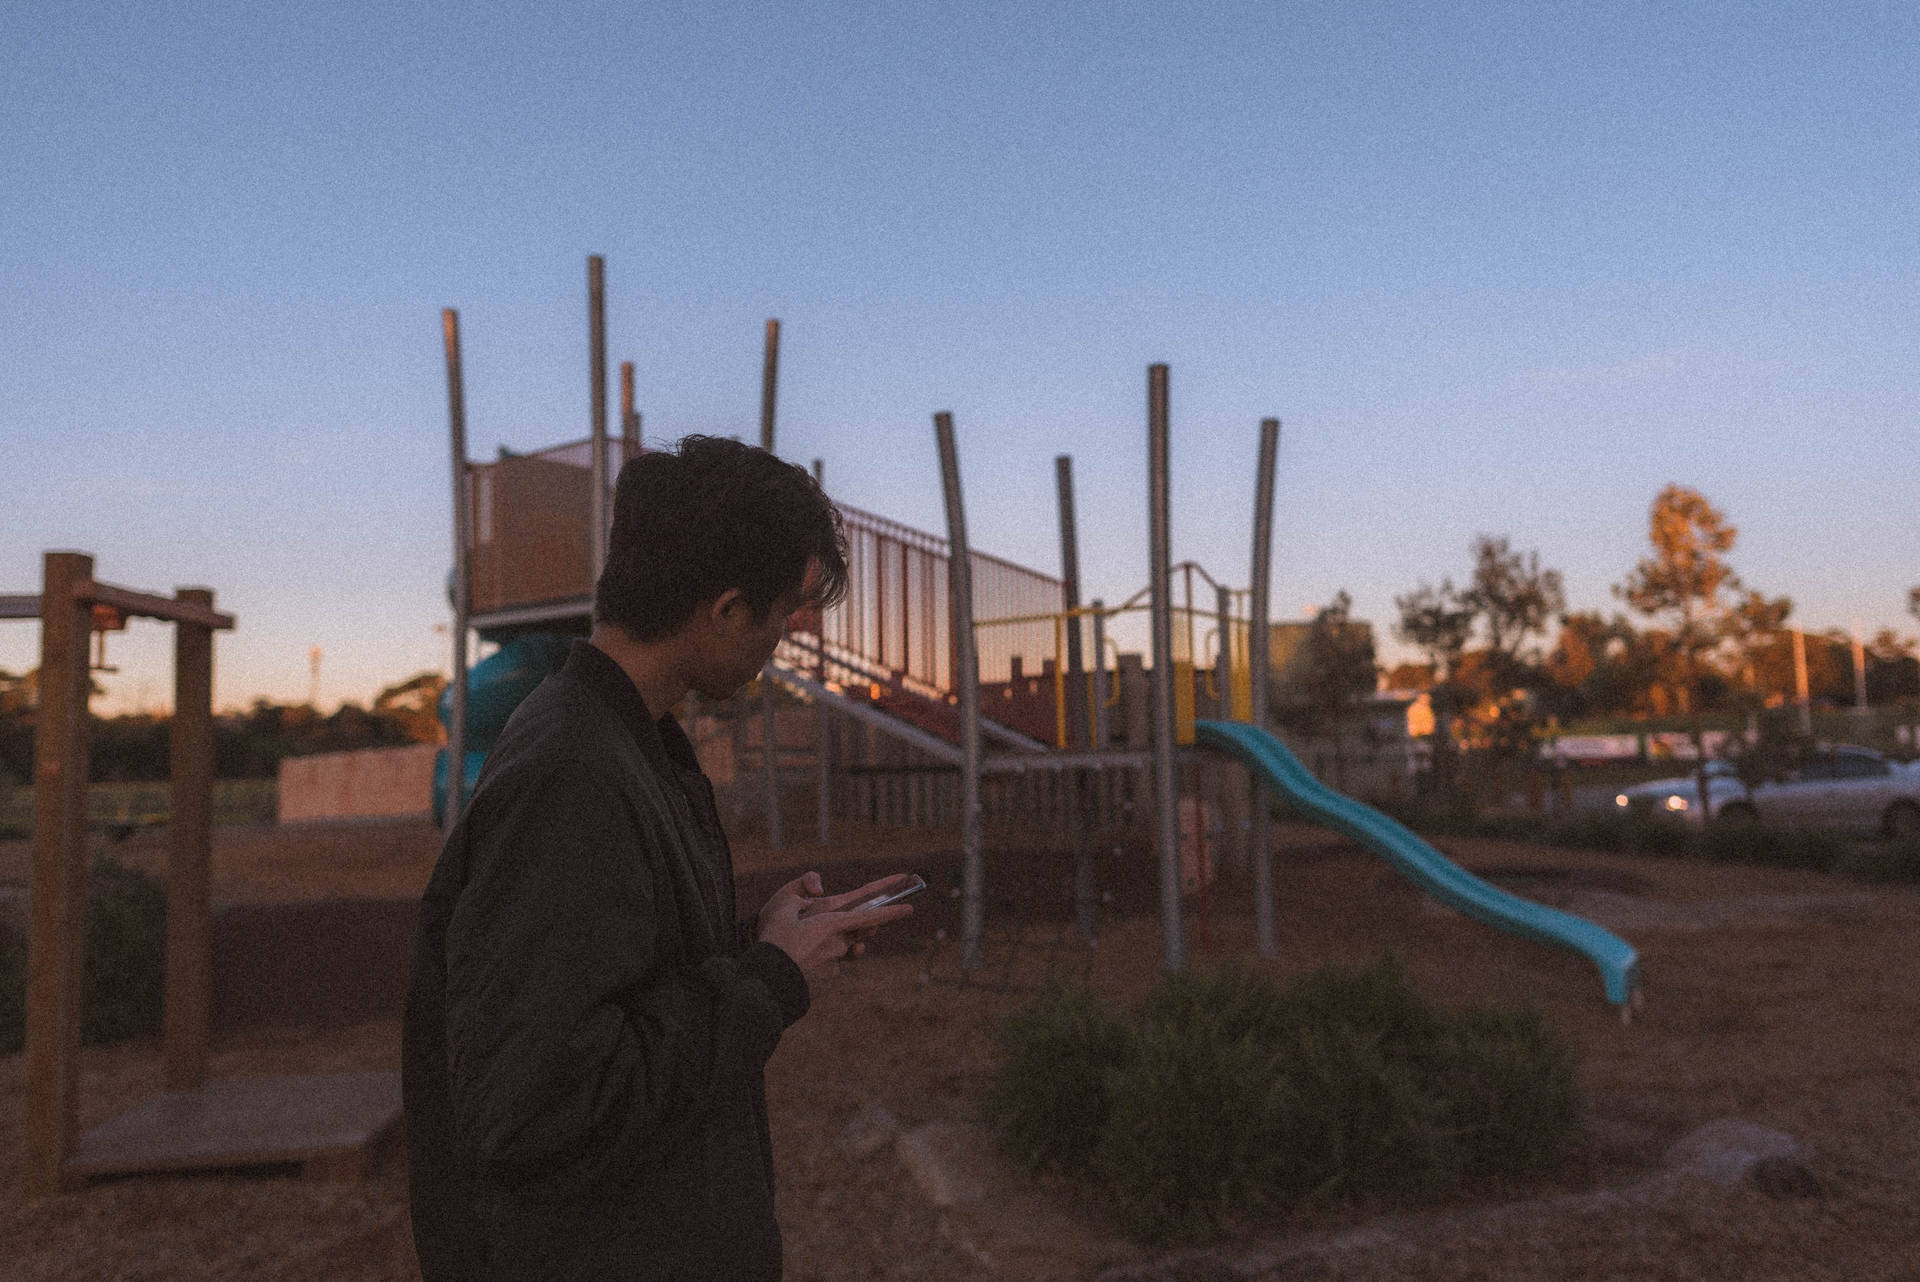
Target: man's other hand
[{"x": 807, "y": 924}]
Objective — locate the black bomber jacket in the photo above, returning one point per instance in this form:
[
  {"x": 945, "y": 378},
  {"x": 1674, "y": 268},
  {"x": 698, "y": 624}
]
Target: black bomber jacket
[{"x": 587, "y": 1021}]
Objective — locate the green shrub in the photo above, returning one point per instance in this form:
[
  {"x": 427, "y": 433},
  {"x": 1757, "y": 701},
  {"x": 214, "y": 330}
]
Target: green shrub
[
  {"x": 1621, "y": 831},
  {"x": 1048, "y": 1100},
  {"x": 1752, "y": 843},
  {"x": 1514, "y": 1094},
  {"x": 1230, "y": 1093},
  {"x": 1897, "y": 860},
  {"x": 13, "y": 991},
  {"x": 126, "y": 954},
  {"x": 123, "y": 985}
]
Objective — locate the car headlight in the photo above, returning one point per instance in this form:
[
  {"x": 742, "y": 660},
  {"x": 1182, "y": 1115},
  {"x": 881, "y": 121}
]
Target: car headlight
[
  {"x": 1676, "y": 803},
  {"x": 1622, "y": 800}
]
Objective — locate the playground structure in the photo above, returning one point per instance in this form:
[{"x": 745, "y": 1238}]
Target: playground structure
[
  {"x": 332, "y": 1126},
  {"x": 911, "y": 657}
]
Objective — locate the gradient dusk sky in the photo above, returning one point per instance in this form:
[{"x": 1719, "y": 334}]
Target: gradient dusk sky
[{"x": 1500, "y": 268}]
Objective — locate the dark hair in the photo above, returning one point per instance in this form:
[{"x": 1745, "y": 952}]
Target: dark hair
[{"x": 713, "y": 515}]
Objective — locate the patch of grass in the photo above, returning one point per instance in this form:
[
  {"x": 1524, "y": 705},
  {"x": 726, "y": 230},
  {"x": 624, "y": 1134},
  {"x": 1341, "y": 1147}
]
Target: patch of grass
[
  {"x": 1228, "y": 1093},
  {"x": 1769, "y": 847},
  {"x": 1622, "y": 832},
  {"x": 123, "y": 986},
  {"x": 1049, "y": 1100},
  {"x": 1885, "y": 861}
]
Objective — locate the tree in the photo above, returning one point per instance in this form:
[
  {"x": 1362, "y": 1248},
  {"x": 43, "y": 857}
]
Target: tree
[
  {"x": 1683, "y": 582},
  {"x": 415, "y": 705},
  {"x": 1340, "y": 671},
  {"x": 1438, "y": 621},
  {"x": 1753, "y": 627},
  {"x": 1515, "y": 599}
]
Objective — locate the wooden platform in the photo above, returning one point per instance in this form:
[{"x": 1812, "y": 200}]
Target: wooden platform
[{"x": 335, "y": 1127}]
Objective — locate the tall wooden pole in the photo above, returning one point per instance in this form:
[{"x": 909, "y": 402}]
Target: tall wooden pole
[
  {"x": 823, "y": 720},
  {"x": 190, "y": 856},
  {"x": 1077, "y": 736},
  {"x": 1266, "y": 938},
  {"x": 966, "y": 671},
  {"x": 462, "y": 577},
  {"x": 1173, "y": 945},
  {"x": 769, "y": 719},
  {"x": 1070, "y": 581},
  {"x": 769, "y": 384},
  {"x": 55, "y": 949},
  {"x": 629, "y": 415},
  {"x": 597, "y": 362}
]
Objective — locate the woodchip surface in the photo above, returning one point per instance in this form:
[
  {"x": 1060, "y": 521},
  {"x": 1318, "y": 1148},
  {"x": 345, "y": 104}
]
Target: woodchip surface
[{"x": 1789, "y": 999}]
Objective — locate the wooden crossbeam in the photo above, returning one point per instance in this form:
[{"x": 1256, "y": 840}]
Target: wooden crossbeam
[{"x": 148, "y": 606}]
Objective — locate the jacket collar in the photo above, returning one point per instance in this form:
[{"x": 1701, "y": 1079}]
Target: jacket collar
[{"x": 662, "y": 741}]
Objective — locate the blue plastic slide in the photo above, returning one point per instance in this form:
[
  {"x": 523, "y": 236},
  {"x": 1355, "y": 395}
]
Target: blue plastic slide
[{"x": 1420, "y": 863}]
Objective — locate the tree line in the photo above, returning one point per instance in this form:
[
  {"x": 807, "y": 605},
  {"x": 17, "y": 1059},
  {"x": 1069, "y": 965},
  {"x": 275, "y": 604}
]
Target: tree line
[
  {"x": 247, "y": 744},
  {"x": 1505, "y": 659}
]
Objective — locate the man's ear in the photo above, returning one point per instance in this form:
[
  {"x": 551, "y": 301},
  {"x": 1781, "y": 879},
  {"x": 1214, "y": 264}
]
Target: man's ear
[{"x": 730, "y": 607}]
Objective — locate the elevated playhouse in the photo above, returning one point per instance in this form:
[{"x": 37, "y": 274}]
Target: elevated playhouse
[{"x": 956, "y": 684}]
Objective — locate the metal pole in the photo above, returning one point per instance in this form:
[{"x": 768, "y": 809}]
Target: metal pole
[
  {"x": 629, "y": 416},
  {"x": 1265, "y": 935},
  {"x": 1070, "y": 580},
  {"x": 966, "y": 670},
  {"x": 1800, "y": 681},
  {"x": 823, "y": 720},
  {"x": 769, "y": 720},
  {"x": 1233, "y": 844},
  {"x": 189, "y": 949},
  {"x": 462, "y": 587},
  {"x": 1859, "y": 673},
  {"x": 1100, "y": 736},
  {"x": 1172, "y": 941},
  {"x": 56, "y": 939},
  {"x": 597, "y": 342},
  {"x": 769, "y": 381},
  {"x": 1074, "y": 706}
]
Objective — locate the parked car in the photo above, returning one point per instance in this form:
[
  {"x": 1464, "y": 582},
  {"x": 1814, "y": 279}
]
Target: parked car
[{"x": 1842, "y": 787}]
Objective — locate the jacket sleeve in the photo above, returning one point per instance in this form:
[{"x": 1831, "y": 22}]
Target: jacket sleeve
[{"x": 575, "y": 1053}]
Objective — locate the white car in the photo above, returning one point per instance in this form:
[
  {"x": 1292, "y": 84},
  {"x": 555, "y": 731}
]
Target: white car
[{"x": 1842, "y": 787}]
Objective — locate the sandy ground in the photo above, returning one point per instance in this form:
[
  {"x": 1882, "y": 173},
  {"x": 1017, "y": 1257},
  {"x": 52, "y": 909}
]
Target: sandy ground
[{"x": 1789, "y": 999}]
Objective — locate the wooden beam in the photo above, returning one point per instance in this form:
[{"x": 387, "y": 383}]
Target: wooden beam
[
  {"x": 148, "y": 606},
  {"x": 19, "y": 605},
  {"x": 189, "y": 953},
  {"x": 59, "y": 875}
]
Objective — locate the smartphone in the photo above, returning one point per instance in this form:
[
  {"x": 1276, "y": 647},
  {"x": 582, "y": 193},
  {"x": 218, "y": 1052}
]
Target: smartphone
[{"x": 914, "y": 884}]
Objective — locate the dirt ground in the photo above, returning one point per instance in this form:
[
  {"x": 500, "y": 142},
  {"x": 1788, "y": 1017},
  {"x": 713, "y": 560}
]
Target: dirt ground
[{"x": 1788, "y": 999}]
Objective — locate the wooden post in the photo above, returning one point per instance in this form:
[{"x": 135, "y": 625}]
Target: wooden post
[
  {"x": 59, "y": 873},
  {"x": 966, "y": 673},
  {"x": 189, "y": 956},
  {"x": 629, "y": 416},
  {"x": 1265, "y": 933},
  {"x": 462, "y": 578},
  {"x": 823, "y": 720},
  {"x": 597, "y": 363},
  {"x": 1173, "y": 946},
  {"x": 770, "y": 734}
]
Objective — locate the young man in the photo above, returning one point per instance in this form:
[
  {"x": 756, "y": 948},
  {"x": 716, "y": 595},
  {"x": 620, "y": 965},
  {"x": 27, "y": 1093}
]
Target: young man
[{"x": 588, "y": 1020}]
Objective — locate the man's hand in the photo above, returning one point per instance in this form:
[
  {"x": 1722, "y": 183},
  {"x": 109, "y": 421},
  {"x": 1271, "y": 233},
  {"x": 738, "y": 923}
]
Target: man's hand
[{"x": 807, "y": 924}]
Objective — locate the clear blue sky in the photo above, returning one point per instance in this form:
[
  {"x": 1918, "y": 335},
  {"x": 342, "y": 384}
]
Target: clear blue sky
[{"x": 1500, "y": 268}]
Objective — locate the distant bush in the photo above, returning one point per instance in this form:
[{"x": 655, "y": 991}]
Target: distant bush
[
  {"x": 1895, "y": 861},
  {"x": 13, "y": 990},
  {"x": 1763, "y": 844},
  {"x": 123, "y": 988},
  {"x": 1228, "y": 1093},
  {"x": 1049, "y": 1098},
  {"x": 1621, "y": 831}
]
